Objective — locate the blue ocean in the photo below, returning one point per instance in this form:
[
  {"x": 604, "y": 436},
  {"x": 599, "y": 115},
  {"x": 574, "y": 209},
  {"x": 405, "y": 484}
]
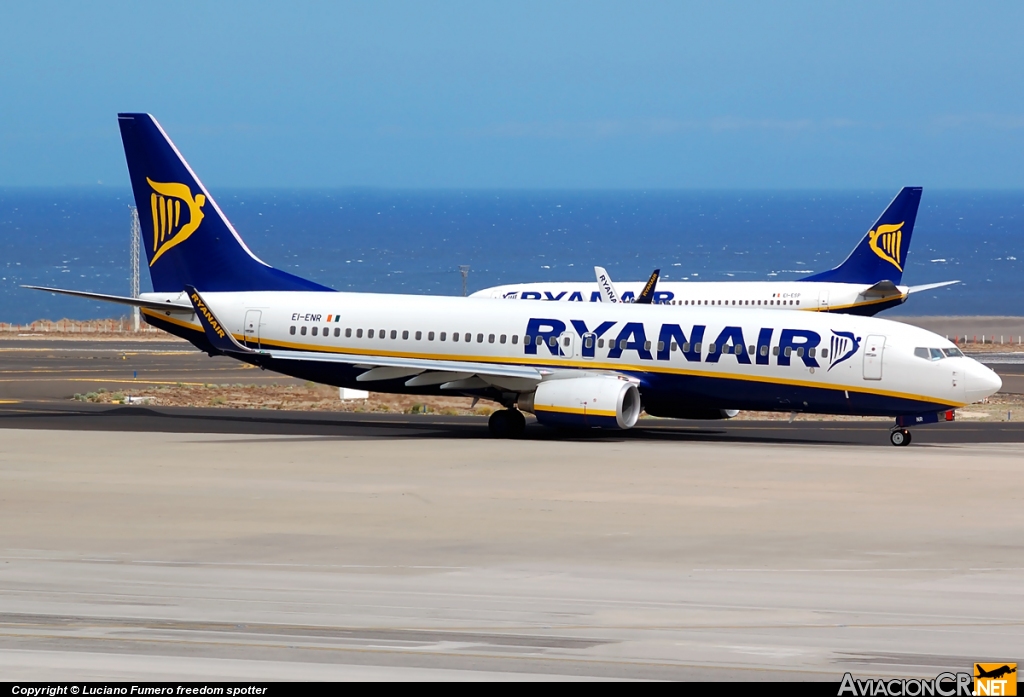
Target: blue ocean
[{"x": 414, "y": 241}]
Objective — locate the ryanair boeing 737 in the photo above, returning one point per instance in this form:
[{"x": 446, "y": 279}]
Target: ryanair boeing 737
[
  {"x": 571, "y": 365},
  {"x": 866, "y": 283}
]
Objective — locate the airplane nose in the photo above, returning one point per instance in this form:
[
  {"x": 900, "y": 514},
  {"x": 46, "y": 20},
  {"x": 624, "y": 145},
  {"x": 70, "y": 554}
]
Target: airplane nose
[{"x": 981, "y": 381}]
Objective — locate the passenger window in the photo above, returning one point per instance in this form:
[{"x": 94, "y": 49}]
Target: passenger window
[
  {"x": 419, "y": 335},
  {"x": 455, "y": 336},
  {"x": 405, "y": 334},
  {"x": 811, "y": 352},
  {"x": 490, "y": 338},
  {"x": 359, "y": 333},
  {"x": 824, "y": 353},
  {"x": 369, "y": 334},
  {"x": 712, "y": 347},
  {"x": 430, "y": 336},
  {"x": 383, "y": 334},
  {"x": 515, "y": 339},
  {"x": 797, "y": 302},
  {"x": 751, "y": 350},
  {"x": 468, "y": 337},
  {"x": 800, "y": 352},
  {"x": 314, "y": 330},
  {"x": 502, "y": 339},
  {"x": 526, "y": 340},
  {"x": 600, "y": 343},
  {"x": 675, "y": 346},
  {"x": 775, "y": 350},
  {"x": 552, "y": 341},
  {"x": 337, "y": 331},
  {"x": 292, "y": 330},
  {"x": 622, "y": 345},
  {"x": 394, "y": 334},
  {"x": 444, "y": 335},
  {"x": 348, "y": 332},
  {"x": 922, "y": 353},
  {"x": 696, "y": 347},
  {"x": 327, "y": 331},
  {"x": 738, "y": 349},
  {"x": 539, "y": 341},
  {"x": 764, "y": 351},
  {"x": 647, "y": 346},
  {"x": 661, "y": 346},
  {"x": 479, "y": 338},
  {"x": 588, "y": 342},
  {"x": 789, "y": 351}
]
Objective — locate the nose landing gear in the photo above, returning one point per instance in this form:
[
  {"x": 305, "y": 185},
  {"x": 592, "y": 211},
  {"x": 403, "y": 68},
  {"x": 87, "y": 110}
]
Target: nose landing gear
[
  {"x": 507, "y": 423},
  {"x": 899, "y": 436}
]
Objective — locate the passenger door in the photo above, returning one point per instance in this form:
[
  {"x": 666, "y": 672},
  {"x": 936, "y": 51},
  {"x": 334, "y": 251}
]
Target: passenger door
[
  {"x": 874, "y": 349},
  {"x": 588, "y": 345},
  {"x": 567, "y": 345},
  {"x": 251, "y": 332}
]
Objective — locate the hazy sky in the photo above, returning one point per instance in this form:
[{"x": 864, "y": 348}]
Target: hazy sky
[{"x": 522, "y": 94}]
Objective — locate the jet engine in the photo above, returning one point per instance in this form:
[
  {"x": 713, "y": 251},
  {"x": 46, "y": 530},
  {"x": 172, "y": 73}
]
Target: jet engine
[{"x": 584, "y": 402}]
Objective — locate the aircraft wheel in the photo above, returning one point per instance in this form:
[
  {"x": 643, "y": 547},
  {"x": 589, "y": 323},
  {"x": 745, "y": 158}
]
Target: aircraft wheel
[
  {"x": 507, "y": 423},
  {"x": 518, "y": 423},
  {"x": 500, "y": 424},
  {"x": 900, "y": 438}
]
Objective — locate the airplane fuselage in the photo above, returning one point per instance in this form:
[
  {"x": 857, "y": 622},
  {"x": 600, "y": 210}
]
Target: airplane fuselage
[
  {"x": 722, "y": 358},
  {"x": 848, "y": 298}
]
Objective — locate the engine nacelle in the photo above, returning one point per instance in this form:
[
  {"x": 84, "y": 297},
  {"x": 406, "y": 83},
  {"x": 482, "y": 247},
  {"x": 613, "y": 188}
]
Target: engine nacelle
[{"x": 584, "y": 402}]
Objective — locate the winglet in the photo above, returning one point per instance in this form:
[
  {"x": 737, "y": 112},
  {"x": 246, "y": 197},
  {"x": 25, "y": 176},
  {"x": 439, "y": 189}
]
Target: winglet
[
  {"x": 646, "y": 296},
  {"x": 604, "y": 282},
  {"x": 216, "y": 334}
]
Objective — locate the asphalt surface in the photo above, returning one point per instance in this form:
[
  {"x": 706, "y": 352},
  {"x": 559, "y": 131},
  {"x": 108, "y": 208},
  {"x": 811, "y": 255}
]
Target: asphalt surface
[{"x": 141, "y": 542}]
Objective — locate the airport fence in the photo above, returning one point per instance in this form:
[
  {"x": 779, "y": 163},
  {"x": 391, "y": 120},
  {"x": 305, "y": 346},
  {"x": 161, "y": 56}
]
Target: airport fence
[{"x": 122, "y": 325}]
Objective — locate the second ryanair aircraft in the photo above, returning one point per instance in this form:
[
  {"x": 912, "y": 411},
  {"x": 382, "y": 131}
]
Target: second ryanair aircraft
[
  {"x": 866, "y": 283},
  {"x": 572, "y": 365}
]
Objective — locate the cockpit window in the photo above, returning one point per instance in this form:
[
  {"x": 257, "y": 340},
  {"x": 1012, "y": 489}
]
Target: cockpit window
[{"x": 934, "y": 354}]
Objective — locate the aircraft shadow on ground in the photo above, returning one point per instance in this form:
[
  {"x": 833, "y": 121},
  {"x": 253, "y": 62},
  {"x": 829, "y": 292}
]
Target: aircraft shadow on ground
[{"x": 363, "y": 426}]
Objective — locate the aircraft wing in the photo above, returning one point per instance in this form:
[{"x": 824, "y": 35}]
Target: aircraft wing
[
  {"x": 646, "y": 296},
  {"x": 604, "y": 282},
  {"x": 122, "y": 299},
  {"x": 930, "y": 286}
]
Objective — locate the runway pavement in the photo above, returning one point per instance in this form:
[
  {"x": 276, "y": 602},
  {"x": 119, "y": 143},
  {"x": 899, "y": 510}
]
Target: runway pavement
[
  {"x": 202, "y": 556},
  {"x": 146, "y": 542}
]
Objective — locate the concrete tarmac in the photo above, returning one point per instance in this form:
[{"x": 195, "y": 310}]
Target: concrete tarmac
[
  {"x": 249, "y": 557},
  {"x": 202, "y": 544}
]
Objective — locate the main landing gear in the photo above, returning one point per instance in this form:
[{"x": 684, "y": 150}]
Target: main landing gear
[
  {"x": 507, "y": 423},
  {"x": 899, "y": 436}
]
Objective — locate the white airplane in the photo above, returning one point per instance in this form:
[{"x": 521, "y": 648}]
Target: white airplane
[
  {"x": 583, "y": 365},
  {"x": 865, "y": 284}
]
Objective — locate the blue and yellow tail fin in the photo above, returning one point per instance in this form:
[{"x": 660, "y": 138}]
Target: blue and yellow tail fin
[
  {"x": 882, "y": 254},
  {"x": 188, "y": 240}
]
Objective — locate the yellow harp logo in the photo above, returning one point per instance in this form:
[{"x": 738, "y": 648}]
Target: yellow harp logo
[
  {"x": 170, "y": 227},
  {"x": 886, "y": 242}
]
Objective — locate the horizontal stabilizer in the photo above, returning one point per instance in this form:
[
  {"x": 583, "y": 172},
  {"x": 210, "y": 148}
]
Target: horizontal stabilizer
[
  {"x": 216, "y": 333},
  {"x": 121, "y": 299},
  {"x": 930, "y": 286},
  {"x": 881, "y": 289}
]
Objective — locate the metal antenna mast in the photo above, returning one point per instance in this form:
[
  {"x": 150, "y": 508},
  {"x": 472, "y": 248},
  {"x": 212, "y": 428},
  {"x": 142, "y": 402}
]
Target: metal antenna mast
[
  {"x": 136, "y": 240},
  {"x": 464, "y": 270}
]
